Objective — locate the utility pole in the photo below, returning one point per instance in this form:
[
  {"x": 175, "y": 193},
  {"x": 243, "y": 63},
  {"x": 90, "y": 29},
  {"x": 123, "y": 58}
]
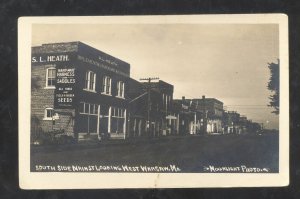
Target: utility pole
[
  {"x": 205, "y": 115},
  {"x": 149, "y": 79}
]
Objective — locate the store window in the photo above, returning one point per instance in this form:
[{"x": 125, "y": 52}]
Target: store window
[
  {"x": 50, "y": 77},
  {"x": 89, "y": 118},
  {"x": 83, "y": 108},
  {"x": 90, "y": 81},
  {"x": 120, "y": 88},
  {"x": 106, "y": 85},
  {"x": 118, "y": 120},
  {"x": 49, "y": 112},
  {"x": 93, "y": 109}
]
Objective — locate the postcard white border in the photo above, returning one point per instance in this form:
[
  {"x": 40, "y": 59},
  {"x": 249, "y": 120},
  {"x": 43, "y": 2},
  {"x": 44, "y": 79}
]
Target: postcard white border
[{"x": 55, "y": 180}]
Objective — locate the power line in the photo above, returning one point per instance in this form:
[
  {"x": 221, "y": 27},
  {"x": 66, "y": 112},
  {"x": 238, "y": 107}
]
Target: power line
[{"x": 228, "y": 105}]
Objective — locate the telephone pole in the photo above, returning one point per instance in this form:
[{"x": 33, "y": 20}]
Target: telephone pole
[
  {"x": 205, "y": 115},
  {"x": 149, "y": 79}
]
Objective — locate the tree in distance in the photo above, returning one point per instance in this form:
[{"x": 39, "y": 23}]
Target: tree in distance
[{"x": 273, "y": 86}]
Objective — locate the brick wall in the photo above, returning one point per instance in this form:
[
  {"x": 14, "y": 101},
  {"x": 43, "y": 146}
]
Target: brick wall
[
  {"x": 56, "y": 48},
  {"x": 65, "y": 121},
  {"x": 42, "y": 98}
]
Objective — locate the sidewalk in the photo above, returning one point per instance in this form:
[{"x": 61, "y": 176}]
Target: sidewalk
[{"x": 86, "y": 144}]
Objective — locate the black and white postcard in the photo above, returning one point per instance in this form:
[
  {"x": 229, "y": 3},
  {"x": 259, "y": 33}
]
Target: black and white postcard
[{"x": 175, "y": 101}]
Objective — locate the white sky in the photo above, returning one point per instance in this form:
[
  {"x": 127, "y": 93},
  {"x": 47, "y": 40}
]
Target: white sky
[{"x": 227, "y": 62}]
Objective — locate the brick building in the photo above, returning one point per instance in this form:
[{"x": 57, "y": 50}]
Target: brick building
[
  {"x": 80, "y": 88},
  {"x": 190, "y": 118},
  {"x": 231, "y": 122},
  {"x": 168, "y": 118},
  {"x": 212, "y": 110},
  {"x": 162, "y": 119},
  {"x": 205, "y": 115},
  {"x": 243, "y": 124}
]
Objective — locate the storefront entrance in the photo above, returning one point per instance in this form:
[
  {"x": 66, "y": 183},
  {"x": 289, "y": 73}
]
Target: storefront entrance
[
  {"x": 89, "y": 119},
  {"x": 117, "y": 122}
]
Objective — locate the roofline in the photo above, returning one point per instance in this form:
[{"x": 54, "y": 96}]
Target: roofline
[
  {"x": 80, "y": 43},
  {"x": 209, "y": 99}
]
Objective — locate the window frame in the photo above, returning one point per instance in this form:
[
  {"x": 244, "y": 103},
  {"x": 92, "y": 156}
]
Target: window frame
[
  {"x": 47, "y": 78},
  {"x": 118, "y": 112},
  {"x": 106, "y": 85},
  {"x": 120, "y": 89},
  {"x": 90, "y": 81},
  {"x": 46, "y": 115}
]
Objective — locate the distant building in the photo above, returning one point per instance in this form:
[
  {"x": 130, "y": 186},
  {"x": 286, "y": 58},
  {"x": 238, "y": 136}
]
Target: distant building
[
  {"x": 162, "y": 118},
  {"x": 235, "y": 123},
  {"x": 254, "y": 127},
  {"x": 169, "y": 118},
  {"x": 243, "y": 122},
  {"x": 231, "y": 122},
  {"x": 190, "y": 119},
  {"x": 212, "y": 110}
]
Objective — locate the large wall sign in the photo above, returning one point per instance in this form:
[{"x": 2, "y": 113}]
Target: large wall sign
[
  {"x": 65, "y": 87},
  {"x": 103, "y": 66}
]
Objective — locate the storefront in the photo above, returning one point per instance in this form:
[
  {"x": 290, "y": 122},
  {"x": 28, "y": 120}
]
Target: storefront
[
  {"x": 157, "y": 119},
  {"x": 84, "y": 87}
]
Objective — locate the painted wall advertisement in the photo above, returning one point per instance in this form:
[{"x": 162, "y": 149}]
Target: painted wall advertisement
[{"x": 65, "y": 87}]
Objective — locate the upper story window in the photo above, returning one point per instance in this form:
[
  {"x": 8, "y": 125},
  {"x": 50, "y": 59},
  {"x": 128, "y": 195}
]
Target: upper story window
[
  {"x": 50, "y": 77},
  {"x": 90, "y": 81},
  {"x": 120, "y": 87},
  {"x": 49, "y": 112},
  {"x": 106, "y": 85}
]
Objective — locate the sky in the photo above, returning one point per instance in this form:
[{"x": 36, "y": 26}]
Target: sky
[{"x": 228, "y": 62}]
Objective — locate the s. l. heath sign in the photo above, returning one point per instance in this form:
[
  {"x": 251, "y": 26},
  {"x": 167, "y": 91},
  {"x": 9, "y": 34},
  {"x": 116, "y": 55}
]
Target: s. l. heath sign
[{"x": 50, "y": 58}]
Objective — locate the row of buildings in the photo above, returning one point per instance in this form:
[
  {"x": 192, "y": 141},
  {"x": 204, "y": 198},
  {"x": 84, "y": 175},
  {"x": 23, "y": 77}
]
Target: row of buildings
[{"x": 89, "y": 94}]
